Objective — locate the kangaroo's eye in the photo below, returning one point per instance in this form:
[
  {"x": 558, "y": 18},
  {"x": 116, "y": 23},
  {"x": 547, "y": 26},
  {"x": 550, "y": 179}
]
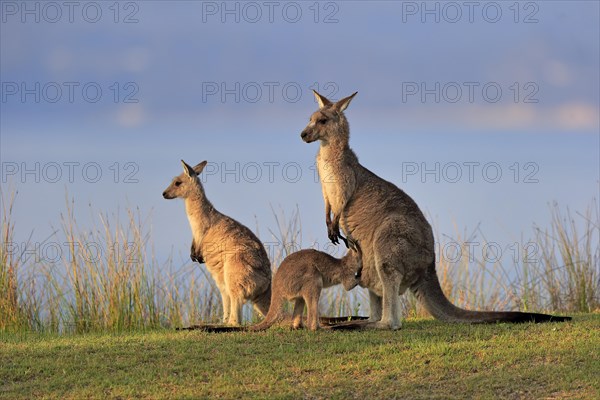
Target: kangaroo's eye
[
  {"x": 322, "y": 121},
  {"x": 177, "y": 183}
]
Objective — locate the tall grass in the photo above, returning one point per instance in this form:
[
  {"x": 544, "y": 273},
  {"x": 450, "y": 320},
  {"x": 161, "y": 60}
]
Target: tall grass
[
  {"x": 108, "y": 279},
  {"x": 568, "y": 276},
  {"x": 103, "y": 278},
  {"x": 557, "y": 270},
  {"x": 12, "y": 316}
]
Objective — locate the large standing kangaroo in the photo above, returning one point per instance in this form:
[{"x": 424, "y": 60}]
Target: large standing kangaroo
[
  {"x": 233, "y": 254},
  {"x": 396, "y": 239}
]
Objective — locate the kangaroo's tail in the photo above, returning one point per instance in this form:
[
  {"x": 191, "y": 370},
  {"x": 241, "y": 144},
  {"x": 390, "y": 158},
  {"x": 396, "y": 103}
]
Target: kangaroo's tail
[
  {"x": 274, "y": 315},
  {"x": 430, "y": 294}
]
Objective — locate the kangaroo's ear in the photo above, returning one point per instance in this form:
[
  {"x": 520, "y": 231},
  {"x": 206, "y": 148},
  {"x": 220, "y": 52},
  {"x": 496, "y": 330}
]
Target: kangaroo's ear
[
  {"x": 342, "y": 104},
  {"x": 354, "y": 247},
  {"x": 198, "y": 168},
  {"x": 322, "y": 100},
  {"x": 189, "y": 171}
]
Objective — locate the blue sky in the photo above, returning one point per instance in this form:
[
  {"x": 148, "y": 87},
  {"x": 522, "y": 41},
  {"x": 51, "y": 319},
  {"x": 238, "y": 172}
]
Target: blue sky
[{"x": 464, "y": 93}]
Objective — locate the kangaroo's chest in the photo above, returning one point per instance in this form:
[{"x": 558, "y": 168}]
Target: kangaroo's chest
[
  {"x": 197, "y": 228},
  {"x": 332, "y": 182}
]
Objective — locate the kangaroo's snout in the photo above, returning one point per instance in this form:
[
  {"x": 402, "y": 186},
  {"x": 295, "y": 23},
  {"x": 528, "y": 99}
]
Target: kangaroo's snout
[
  {"x": 306, "y": 136},
  {"x": 166, "y": 195}
]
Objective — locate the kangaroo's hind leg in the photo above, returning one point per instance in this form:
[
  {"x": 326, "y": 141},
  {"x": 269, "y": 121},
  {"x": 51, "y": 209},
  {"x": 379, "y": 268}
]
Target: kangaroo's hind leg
[
  {"x": 226, "y": 305},
  {"x": 312, "y": 304},
  {"x": 235, "y": 316},
  {"x": 392, "y": 263},
  {"x": 298, "y": 311},
  {"x": 375, "y": 307}
]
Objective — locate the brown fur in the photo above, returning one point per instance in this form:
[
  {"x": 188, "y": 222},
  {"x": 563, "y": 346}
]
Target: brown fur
[
  {"x": 396, "y": 239},
  {"x": 233, "y": 254},
  {"x": 301, "y": 277}
]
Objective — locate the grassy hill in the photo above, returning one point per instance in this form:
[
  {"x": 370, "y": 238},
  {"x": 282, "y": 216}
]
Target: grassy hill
[{"x": 426, "y": 359}]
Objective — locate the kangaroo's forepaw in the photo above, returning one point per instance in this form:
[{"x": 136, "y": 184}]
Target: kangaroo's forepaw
[
  {"x": 346, "y": 241},
  {"x": 334, "y": 238},
  {"x": 195, "y": 255},
  {"x": 333, "y": 232},
  {"x": 197, "y": 258}
]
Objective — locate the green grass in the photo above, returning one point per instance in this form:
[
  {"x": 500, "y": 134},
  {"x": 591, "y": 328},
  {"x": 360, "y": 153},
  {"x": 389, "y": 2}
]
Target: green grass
[{"x": 426, "y": 359}]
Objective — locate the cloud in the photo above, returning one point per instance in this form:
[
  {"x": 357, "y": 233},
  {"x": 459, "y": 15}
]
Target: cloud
[
  {"x": 511, "y": 116},
  {"x": 63, "y": 59},
  {"x": 131, "y": 115},
  {"x": 577, "y": 116},
  {"x": 569, "y": 117},
  {"x": 60, "y": 59},
  {"x": 557, "y": 73},
  {"x": 136, "y": 59}
]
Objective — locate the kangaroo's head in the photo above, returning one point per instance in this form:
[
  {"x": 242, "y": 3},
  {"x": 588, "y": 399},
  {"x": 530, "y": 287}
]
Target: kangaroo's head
[
  {"x": 354, "y": 265},
  {"x": 187, "y": 184},
  {"x": 329, "y": 122}
]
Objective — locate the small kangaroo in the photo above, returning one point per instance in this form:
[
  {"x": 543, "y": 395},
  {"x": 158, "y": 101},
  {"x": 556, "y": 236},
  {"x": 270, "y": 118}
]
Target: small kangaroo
[
  {"x": 233, "y": 254},
  {"x": 396, "y": 239},
  {"x": 302, "y": 276}
]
